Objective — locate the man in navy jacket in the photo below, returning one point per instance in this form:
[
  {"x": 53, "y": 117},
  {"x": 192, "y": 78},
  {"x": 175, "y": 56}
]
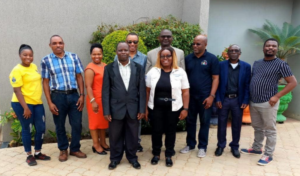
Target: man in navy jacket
[{"x": 232, "y": 95}]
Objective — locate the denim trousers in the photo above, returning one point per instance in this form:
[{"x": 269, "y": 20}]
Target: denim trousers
[
  {"x": 66, "y": 105},
  {"x": 232, "y": 105},
  {"x": 37, "y": 120},
  {"x": 196, "y": 108}
]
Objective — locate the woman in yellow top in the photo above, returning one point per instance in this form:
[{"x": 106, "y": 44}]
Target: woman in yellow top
[{"x": 27, "y": 103}]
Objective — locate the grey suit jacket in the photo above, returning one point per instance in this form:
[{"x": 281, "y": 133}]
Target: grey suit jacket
[
  {"x": 116, "y": 100},
  {"x": 152, "y": 58}
]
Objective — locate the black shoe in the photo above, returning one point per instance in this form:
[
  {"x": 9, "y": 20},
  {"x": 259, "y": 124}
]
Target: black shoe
[
  {"x": 100, "y": 153},
  {"x": 41, "y": 156},
  {"x": 219, "y": 151},
  {"x": 31, "y": 160},
  {"x": 169, "y": 162},
  {"x": 140, "y": 148},
  {"x": 236, "y": 153},
  {"x": 135, "y": 164},
  {"x": 106, "y": 149},
  {"x": 173, "y": 153},
  {"x": 113, "y": 165},
  {"x": 155, "y": 160}
]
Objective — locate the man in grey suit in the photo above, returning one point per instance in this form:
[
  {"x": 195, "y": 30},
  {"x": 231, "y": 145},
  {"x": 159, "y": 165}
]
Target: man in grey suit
[
  {"x": 124, "y": 103},
  {"x": 165, "y": 38}
]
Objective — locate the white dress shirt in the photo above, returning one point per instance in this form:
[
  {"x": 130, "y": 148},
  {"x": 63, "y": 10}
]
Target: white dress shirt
[{"x": 125, "y": 72}]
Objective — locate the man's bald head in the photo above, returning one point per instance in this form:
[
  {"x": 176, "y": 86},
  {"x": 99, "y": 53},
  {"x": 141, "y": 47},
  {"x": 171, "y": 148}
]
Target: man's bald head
[
  {"x": 202, "y": 38},
  {"x": 199, "y": 45},
  {"x": 165, "y": 38}
]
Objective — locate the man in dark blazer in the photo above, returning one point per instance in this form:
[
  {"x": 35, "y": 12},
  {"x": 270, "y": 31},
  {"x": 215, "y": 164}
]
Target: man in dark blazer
[
  {"x": 232, "y": 95},
  {"x": 124, "y": 103}
]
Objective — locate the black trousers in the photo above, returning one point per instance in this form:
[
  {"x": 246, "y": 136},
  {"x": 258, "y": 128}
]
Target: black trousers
[
  {"x": 163, "y": 121},
  {"x": 123, "y": 136}
]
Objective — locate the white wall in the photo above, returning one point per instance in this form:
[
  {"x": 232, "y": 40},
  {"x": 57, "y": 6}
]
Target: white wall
[
  {"x": 229, "y": 21},
  {"x": 34, "y": 21}
]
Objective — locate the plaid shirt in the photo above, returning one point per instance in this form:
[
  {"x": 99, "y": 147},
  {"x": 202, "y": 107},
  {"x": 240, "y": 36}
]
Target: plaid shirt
[{"x": 61, "y": 71}]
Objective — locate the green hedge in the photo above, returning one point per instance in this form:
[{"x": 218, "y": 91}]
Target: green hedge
[{"x": 110, "y": 42}]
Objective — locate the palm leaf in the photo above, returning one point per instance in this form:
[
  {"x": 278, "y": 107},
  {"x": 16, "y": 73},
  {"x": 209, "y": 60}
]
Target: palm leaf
[{"x": 261, "y": 33}]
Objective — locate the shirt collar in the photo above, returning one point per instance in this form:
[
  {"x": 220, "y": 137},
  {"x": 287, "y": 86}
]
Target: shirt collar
[
  {"x": 119, "y": 63},
  {"x": 52, "y": 55},
  {"x": 204, "y": 54}
]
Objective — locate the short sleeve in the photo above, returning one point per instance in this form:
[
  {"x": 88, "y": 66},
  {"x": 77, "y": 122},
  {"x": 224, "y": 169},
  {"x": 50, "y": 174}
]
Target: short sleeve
[
  {"x": 285, "y": 70},
  {"x": 78, "y": 65},
  {"x": 184, "y": 81},
  {"x": 15, "y": 78},
  {"x": 44, "y": 71},
  {"x": 148, "y": 79},
  {"x": 215, "y": 66}
]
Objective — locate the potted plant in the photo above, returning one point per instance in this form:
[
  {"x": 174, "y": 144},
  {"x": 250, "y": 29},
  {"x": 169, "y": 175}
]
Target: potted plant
[{"x": 289, "y": 44}]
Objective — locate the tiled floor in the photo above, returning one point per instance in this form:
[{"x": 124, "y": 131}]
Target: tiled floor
[{"x": 286, "y": 159}]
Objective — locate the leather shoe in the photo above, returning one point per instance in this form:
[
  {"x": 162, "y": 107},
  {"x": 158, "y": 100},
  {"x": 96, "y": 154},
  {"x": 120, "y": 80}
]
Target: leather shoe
[
  {"x": 100, "y": 153},
  {"x": 78, "y": 154},
  {"x": 236, "y": 153},
  {"x": 169, "y": 162},
  {"x": 113, "y": 165},
  {"x": 219, "y": 151},
  {"x": 155, "y": 160},
  {"x": 63, "y": 155},
  {"x": 135, "y": 164}
]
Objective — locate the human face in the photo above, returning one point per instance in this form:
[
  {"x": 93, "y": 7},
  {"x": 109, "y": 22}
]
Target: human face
[
  {"x": 132, "y": 41},
  {"x": 165, "y": 38},
  {"x": 57, "y": 45},
  {"x": 123, "y": 52},
  {"x": 26, "y": 57},
  {"x": 270, "y": 48},
  {"x": 199, "y": 45},
  {"x": 234, "y": 52},
  {"x": 97, "y": 55},
  {"x": 166, "y": 58}
]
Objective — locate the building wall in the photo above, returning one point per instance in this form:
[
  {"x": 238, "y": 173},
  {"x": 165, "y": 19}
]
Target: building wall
[
  {"x": 230, "y": 20},
  {"x": 294, "y": 62},
  {"x": 33, "y": 22}
]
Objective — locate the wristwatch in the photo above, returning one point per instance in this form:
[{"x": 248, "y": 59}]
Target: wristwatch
[
  {"x": 81, "y": 94},
  {"x": 213, "y": 95},
  {"x": 185, "y": 109}
]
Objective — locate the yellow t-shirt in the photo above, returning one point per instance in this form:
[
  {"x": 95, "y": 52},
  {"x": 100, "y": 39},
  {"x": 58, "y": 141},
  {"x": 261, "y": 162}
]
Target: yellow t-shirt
[{"x": 30, "y": 81}]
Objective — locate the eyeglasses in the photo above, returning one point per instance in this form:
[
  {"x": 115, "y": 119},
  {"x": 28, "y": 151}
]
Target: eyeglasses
[
  {"x": 195, "y": 44},
  {"x": 166, "y": 36},
  {"x": 164, "y": 57},
  {"x": 135, "y": 41},
  {"x": 234, "y": 50}
]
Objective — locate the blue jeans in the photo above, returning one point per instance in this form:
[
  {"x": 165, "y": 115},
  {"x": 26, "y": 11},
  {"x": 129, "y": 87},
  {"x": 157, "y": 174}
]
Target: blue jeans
[
  {"x": 230, "y": 104},
  {"x": 214, "y": 116},
  {"x": 66, "y": 105},
  {"x": 37, "y": 120},
  {"x": 196, "y": 107}
]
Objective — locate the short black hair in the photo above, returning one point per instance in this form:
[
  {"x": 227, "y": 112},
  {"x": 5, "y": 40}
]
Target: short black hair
[
  {"x": 132, "y": 33},
  {"x": 55, "y": 35},
  {"x": 96, "y": 45},
  {"x": 120, "y": 43},
  {"x": 271, "y": 39},
  {"x": 23, "y": 47}
]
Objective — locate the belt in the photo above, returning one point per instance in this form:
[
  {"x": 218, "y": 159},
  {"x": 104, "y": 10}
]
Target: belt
[
  {"x": 231, "y": 95},
  {"x": 167, "y": 99},
  {"x": 65, "y": 91}
]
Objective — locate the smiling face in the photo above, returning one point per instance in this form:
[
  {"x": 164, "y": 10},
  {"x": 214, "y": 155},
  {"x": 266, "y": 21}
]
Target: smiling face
[
  {"x": 57, "y": 45},
  {"x": 123, "y": 52},
  {"x": 132, "y": 41},
  {"x": 270, "y": 48},
  {"x": 166, "y": 58},
  {"x": 199, "y": 45},
  {"x": 97, "y": 55},
  {"x": 165, "y": 38},
  {"x": 26, "y": 57}
]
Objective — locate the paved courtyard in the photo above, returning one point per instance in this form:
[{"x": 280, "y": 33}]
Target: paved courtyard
[{"x": 286, "y": 159}]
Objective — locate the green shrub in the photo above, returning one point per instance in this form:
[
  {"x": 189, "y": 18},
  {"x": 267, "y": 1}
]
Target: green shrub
[
  {"x": 110, "y": 42},
  {"x": 183, "y": 32}
]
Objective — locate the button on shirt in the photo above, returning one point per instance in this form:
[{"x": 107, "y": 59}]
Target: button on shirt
[
  {"x": 125, "y": 72},
  {"x": 139, "y": 58},
  {"x": 61, "y": 71},
  {"x": 233, "y": 78},
  {"x": 200, "y": 72}
]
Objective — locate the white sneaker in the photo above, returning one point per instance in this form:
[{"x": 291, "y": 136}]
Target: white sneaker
[
  {"x": 201, "y": 153},
  {"x": 186, "y": 150}
]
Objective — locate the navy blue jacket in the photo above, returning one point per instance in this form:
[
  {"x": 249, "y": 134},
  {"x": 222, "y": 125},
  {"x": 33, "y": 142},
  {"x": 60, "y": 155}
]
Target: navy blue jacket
[{"x": 244, "y": 82}]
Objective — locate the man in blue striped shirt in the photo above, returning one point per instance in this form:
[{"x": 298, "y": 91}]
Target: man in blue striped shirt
[
  {"x": 265, "y": 99},
  {"x": 61, "y": 73}
]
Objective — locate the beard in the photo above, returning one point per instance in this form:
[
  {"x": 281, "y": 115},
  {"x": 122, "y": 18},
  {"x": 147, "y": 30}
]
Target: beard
[{"x": 269, "y": 55}]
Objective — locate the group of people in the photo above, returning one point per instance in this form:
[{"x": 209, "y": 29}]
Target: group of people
[{"x": 162, "y": 88}]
